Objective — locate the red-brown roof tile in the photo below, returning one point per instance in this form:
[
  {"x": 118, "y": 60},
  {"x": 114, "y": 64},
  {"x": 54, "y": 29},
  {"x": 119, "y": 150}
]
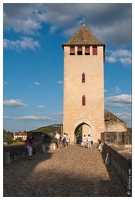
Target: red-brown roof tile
[{"x": 83, "y": 37}]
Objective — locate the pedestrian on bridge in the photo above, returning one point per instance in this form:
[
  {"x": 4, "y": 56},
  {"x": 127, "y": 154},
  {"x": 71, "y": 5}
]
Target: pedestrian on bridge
[
  {"x": 57, "y": 138},
  {"x": 30, "y": 144},
  {"x": 67, "y": 140},
  {"x": 89, "y": 141},
  {"x": 61, "y": 141},
  {"x": 64, "y": 140},
  {"x": 84, "y": 141}
]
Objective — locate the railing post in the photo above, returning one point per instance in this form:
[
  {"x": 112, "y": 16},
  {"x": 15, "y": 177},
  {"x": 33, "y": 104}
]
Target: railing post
[
  {"x": 108, "y": 159},
  {"x": 6, "y": 157},
  {"x": 43, "y": 148}
]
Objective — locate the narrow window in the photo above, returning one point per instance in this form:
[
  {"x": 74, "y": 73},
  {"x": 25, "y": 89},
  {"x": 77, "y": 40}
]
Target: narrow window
[
  {"x": 83, "y": 100},
  {"x": 72, "y": 50},
  {"x": 83, "y": 78},
  {"x": 87, "y": 50},
  {"x": 94, "y": 50},
  {"x": 79, "y": 50}
]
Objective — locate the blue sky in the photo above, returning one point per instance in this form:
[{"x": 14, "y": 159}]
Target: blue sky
[{"x": 33, "y": 61}]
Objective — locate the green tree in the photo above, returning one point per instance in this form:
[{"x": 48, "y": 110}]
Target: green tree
[{"x": 8, "y": 137}]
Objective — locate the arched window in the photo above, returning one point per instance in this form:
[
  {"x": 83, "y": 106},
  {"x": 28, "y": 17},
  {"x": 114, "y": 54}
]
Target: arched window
[
  {"x": 83, "y": 100},
  {"x": 83, "y": 78}
]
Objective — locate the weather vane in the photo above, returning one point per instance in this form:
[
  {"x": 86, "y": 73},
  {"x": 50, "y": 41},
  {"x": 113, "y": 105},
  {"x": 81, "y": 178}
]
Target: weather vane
[{"x": 84, "y": 21}]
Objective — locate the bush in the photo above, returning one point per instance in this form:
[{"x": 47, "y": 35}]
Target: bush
[
  {"x": 19, "y": 139},
  {"x": 9, "y": 142}
]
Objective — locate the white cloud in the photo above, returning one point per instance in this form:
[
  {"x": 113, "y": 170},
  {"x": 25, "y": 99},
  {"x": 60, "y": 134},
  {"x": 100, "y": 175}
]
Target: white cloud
[
  {"x": 31, "y": 118},
  {"x": 117, "y": 89},
  {"x": 23, "y": 44},
  {"x": 14, "y": 103},
  {"x": 23, "y": 18},
  {"x": 125, "y": 61},
  {"x": 122, "y": 101},
  {"x": 124, "y": 116},
  {"x": 36, "y": 83},
  {"x": 41, "y": 106},
  {"x": 112, "y": 24},
  {"x": 60, "y": 82},
  {"x": 52, "y": 29},
  {"x": 110, "y": 59},
  {"x": 120, "y": 55},
  {"x": 5, "y": 83},
  {"x": 58, "y": 114},
  {"x": 6, "y": 117}
]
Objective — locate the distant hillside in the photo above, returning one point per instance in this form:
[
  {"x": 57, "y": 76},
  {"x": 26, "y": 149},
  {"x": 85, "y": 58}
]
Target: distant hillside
[{"x": 49, "y": 129}]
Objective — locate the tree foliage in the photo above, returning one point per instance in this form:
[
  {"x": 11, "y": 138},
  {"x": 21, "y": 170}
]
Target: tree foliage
[
  {"x": 49, "y": 129},
  {"x": 7, "y": 136}
]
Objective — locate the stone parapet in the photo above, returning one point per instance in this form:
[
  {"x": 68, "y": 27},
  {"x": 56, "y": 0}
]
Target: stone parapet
[
  {"x": 16, "y": 152},
  {"x": 121, "y": 161}
]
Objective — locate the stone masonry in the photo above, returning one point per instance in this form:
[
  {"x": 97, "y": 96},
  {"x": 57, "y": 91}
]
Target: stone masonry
[{"x": 92, "y": 113}]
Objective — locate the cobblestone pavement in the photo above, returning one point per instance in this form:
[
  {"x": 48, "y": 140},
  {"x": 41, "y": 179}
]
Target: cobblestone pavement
[{"x": 69, "y": 172}]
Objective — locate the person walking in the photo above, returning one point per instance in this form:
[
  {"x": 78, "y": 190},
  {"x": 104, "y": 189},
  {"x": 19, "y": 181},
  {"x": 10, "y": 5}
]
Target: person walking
[
  {"x": 84, "y": 142},
  {"x": 61, "y": 141},
  {"x": 67, "y": 140},
  {"x": 64, "y": 140},
  {"x": 99, "y": 145},
  {"x": 30, "y": 144},
  {"x": 57, "y": 138},
  {"x": 89, "y": 141}
]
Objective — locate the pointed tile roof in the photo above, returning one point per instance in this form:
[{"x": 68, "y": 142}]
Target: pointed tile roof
[{"x": 83, "y": 37}]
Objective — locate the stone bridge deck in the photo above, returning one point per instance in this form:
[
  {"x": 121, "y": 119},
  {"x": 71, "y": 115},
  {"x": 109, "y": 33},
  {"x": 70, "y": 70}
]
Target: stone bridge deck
[{"x": 69, "y": 172}]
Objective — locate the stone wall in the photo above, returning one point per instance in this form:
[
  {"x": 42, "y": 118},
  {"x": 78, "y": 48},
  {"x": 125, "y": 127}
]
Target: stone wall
[
  {"x": 121, "y": 161},
  {"x": 112, "y": 126},
  {"x": 43, "y": 142},
  {"x": 16, "y": 152},
  {"x": 92, "y": 113},
  {"x": 38, "y": 136},
  {"x": 121, "y": 138}
]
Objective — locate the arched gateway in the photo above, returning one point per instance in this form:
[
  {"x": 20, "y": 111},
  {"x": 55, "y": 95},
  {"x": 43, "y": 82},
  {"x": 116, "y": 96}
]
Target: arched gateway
[{"x": 83, "y": 85}]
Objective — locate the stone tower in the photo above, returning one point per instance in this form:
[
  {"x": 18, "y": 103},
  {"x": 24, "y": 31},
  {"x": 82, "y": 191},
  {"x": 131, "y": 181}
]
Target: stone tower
[{"x": 83, "y": 104}]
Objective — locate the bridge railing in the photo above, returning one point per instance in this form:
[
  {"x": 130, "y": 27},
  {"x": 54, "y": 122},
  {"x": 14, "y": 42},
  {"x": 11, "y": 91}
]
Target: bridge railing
[{"x": 121, "y": 161}]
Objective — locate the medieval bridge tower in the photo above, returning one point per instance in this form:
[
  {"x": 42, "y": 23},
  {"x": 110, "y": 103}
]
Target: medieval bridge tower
[{"x": 83, "y": 85}]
